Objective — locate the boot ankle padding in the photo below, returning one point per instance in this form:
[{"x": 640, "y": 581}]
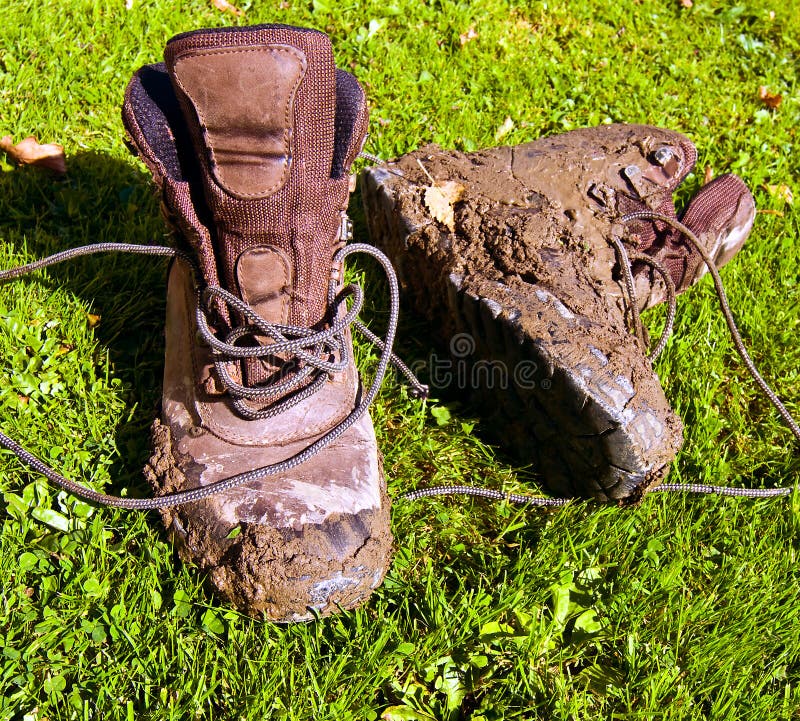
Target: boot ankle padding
[
  {"x": 350, "y": 123},
  {"x": 721, "y": 215}
]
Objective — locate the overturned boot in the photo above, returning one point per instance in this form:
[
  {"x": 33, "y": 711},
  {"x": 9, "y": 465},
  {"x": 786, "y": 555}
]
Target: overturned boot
[
  {"x": 521, "y": 257},
  {"x": 250, "y": 134}
]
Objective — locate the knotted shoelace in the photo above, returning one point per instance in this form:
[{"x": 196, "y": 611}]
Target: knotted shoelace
[{"x": 316, "y": 348}]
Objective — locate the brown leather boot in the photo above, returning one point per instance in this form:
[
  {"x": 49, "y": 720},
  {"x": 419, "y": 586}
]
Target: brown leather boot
[
  {"x": 527, "y": 280},
  {"x": 250, "y": 134}
]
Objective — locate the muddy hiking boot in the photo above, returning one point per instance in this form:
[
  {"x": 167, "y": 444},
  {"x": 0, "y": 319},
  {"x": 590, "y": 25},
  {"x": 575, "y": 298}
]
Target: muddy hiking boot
[
  {"x": 250, "y": 134},
  {"x": 532, "y": 262}
]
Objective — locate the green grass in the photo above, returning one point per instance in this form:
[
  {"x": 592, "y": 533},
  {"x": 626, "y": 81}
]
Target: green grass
[{"x": 685, "y": 607}]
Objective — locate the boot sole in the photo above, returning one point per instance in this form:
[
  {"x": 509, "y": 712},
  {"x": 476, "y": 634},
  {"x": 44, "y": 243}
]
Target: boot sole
[{"x": 582, "y": 404}]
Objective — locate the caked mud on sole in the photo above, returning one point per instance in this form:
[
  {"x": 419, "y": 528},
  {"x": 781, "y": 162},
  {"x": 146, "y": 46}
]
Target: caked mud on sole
[{"x": 533, "y": 320}]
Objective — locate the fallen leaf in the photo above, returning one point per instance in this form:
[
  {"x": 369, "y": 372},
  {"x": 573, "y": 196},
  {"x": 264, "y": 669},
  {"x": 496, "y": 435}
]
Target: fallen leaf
[
  {"x": 781, "y": 191},
  {"x": 439, "y": 200},
  {"x": 522, "y": 23},
  {"x": 708, "y": 175},
  {"x": 464, "y": 38},
  {"x": 227, "y": 7},
  {"x": 31, "y": 152},
  {"x": 504, "y": 129},
  {"x": 93, "y": 319},
  {"x": 771, "y": 100}
]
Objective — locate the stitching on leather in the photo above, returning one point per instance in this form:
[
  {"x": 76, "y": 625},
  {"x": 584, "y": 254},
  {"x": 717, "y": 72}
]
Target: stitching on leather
[
  {"x": 229, "y": 435},
  {"x": 287, "y": 132},
  {"x": 287, "y": 275},
  {"x": 137, "y": 137},
  {"x": 286, "y": 266}
]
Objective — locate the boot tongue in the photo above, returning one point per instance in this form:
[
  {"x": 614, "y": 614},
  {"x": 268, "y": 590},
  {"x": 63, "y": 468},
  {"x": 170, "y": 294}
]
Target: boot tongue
[{"x": 260, "y": 104}]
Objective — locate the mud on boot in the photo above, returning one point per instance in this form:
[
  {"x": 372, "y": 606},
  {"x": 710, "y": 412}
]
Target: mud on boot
[
  {"x": 250, "y": 134},
  {"x": 528, "y": 270}
]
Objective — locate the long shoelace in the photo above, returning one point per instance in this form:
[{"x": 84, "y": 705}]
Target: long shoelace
[
  {"x": 740, "y": 349},
  {"x": 625, "y": 260},
  {"x": 315, "y": 348}
]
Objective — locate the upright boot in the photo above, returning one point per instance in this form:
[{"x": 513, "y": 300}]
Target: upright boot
[
  {"x": 531, "y": 265},
  {"x": 249, "y": 134}
]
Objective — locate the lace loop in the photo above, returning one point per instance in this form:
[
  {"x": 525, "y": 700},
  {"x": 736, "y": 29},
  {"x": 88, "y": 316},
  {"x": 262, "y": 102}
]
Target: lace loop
[
  {"x": 625, "y": 261},
  {"x": 726, "y": 310},
  {"x": 290, "y": 339}
]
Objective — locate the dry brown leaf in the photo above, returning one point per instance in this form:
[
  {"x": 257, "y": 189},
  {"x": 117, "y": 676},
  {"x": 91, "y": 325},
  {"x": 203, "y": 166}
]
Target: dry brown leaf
[
  {"x": 439, "y": 200},
  {"x": 466, "y": 37},
  {"x": 771, "y": 100},
  {"x": 93, "y": 319},
  {"x": 782, "y": 191},
  {"x": 504, "y": 129},
  {"x": 708, "y": 175},
  {"x": 31, "y": 152},
  {"x": 227, "y": 7}
]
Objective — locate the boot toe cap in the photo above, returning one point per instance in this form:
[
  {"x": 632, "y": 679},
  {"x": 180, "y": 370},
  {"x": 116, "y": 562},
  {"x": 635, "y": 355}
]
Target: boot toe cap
[{"x": 310, "y": 541}]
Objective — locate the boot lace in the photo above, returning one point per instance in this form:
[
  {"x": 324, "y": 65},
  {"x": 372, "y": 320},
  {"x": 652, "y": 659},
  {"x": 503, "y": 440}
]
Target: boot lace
[
  {"x": 319, "y": 349},
  {"x": 316, "y": 348}
]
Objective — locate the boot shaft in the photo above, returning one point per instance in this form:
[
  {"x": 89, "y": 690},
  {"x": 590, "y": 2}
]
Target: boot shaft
[
  {"x": 274, "y": 126},
  {"x": 250, "y": 132}
]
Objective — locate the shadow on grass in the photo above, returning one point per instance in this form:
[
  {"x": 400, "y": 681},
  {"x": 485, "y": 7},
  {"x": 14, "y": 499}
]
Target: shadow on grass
[
  {"x": 417, "y": 344},
  {"x": 101, "y": 199}
]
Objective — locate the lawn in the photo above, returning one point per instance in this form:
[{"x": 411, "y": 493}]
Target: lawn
[{"x": 683, "y": 607}]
